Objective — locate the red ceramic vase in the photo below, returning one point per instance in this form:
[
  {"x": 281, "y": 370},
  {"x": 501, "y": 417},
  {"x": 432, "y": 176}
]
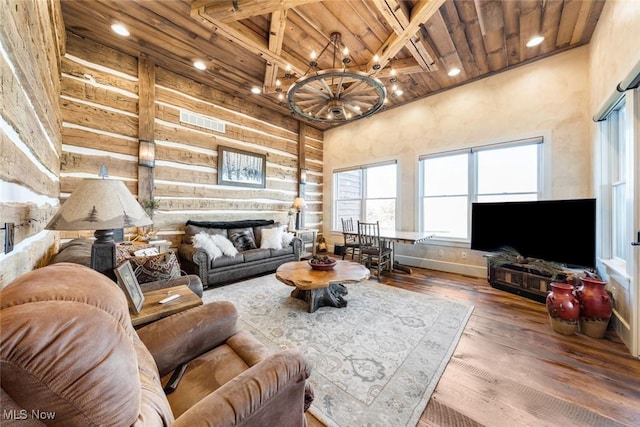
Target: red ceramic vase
[
  {"x": 595, "y": 307},
  {"x": 563, "y": 308}
]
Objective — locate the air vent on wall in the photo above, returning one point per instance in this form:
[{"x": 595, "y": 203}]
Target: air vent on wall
[{"x": 202, "y": 121}]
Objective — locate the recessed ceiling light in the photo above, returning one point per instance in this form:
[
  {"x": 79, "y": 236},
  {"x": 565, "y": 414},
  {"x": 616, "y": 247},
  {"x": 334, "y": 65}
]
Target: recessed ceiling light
[
  {"x": 535, "y": 41},
  {"x": 255, "y": 90},
  {"x": 454, "y": 72},
  {"x": 200, "y": 65},
  {"x": 120, "y": 29}
]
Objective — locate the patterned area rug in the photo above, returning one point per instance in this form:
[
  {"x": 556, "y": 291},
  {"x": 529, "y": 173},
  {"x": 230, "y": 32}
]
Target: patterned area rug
[{"x": 375, "y": 362}]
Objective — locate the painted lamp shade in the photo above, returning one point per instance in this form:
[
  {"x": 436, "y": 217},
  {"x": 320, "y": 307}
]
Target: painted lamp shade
[{"x": 99, "y": 204}]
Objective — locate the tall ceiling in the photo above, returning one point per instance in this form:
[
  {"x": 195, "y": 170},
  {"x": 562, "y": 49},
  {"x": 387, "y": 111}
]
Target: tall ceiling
[{"x": 247, "y": 43}]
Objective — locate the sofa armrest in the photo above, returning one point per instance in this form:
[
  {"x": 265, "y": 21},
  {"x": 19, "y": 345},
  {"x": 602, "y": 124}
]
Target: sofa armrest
[
  {"x": 192, "y": 281},
  {"x": 297, "y": 247},
  {"x": 194, "y": 261},
  {"x": 186, "y": 335},
  {"x": 269, "y": 393}
]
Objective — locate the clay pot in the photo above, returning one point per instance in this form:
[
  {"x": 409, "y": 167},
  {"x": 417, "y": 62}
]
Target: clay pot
[
  {"x": 595, "y": 307},
  {"x": 563, "y": 308}
]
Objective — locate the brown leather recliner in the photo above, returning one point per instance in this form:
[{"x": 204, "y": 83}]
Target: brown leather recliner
[{"x": 70, "y": 357}]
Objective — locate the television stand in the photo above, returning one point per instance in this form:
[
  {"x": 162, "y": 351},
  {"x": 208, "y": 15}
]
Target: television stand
[{"x": 522, "y": 279}]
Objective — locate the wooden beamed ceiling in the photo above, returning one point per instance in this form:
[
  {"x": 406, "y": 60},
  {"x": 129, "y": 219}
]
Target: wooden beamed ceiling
[{"x": 247, "y": 43}]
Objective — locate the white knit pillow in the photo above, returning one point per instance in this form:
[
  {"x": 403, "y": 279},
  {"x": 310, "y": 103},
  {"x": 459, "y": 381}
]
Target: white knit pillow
[
  {"x": 203, "y": 241},
  {"x": 224, "y": 244},
  {"x": 287, "y": 237},
  {"x": 271, "y": 238}
]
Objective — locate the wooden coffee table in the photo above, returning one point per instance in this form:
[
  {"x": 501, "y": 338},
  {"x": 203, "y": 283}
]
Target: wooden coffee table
[{"x": 321, "y": 288}]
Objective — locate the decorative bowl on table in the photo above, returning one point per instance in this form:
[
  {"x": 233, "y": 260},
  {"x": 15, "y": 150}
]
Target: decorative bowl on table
[{"x": 322, "y": 262}]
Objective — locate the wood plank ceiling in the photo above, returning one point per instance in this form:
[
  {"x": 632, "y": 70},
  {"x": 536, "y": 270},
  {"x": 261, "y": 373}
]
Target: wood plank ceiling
[{"x": 247, "y": 43}]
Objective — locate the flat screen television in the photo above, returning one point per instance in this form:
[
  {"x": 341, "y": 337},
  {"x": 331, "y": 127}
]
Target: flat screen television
[{"x": 562, "y": 231}]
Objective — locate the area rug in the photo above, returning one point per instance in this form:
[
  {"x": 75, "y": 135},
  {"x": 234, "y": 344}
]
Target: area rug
[{"x": 374, "y": 363}]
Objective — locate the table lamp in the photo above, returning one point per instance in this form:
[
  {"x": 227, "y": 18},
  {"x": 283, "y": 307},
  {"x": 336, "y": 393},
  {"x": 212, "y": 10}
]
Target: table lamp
[
  {"x": 298, "y": 205},
  {"x": 101, "y": 205}
]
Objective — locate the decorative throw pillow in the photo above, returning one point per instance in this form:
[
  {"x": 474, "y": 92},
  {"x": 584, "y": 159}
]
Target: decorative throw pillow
[
  {"x": 224, "y": 244},
  {"x": 158, "y": 267},
  {"x": 271, "y": 238},
  {"x": 287, "y": 238},
  {"x": 243, "y": 239},
  {"x": 202, "y": 240}
]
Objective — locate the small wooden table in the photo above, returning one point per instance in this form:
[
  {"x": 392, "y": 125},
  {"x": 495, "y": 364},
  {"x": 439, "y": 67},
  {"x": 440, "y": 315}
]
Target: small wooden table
[
  {"x": 152, "y": 310},
  {"x": 397, "y": 236},
  {"x": 321, "y": 288}
]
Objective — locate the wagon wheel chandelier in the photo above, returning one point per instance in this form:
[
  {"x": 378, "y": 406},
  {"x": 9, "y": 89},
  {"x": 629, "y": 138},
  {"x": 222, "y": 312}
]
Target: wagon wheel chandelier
[{"x": 336, "y": 95}]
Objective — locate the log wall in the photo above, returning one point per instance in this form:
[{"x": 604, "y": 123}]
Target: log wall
[
  {"x": 32, "y": 42},
  {"x": 101, "y": 108}
]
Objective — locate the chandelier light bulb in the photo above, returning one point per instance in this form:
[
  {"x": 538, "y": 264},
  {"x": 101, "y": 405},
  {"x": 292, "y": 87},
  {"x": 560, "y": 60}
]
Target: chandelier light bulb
[
  {"x": 376, "y": 62},
  {"x": 313, "y": 63},
  {"x": 280, "y": 96},
  {"x": 345, "y": 56},
  {"x": 393, "y": 78}
]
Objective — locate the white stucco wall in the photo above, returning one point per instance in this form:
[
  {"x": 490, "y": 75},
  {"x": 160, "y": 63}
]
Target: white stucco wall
[
  {"x": 614, "y": 48},
  {"x": 549, "y": 97}
]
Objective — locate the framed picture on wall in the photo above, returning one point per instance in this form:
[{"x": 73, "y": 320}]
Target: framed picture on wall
[
  {"x": 241, "y": 168},
  {"x": 129, "y": 284}
]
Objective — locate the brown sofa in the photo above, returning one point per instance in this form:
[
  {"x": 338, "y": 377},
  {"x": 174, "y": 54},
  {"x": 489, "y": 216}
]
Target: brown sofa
[{"x": 69, "y": 353}]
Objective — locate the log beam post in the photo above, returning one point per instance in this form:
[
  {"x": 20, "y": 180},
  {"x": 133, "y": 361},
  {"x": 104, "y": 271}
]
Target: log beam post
[{"x": 146, "y": 121}]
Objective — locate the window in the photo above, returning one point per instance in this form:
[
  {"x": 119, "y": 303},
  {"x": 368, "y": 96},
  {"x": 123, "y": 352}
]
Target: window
[
  {"x": 616, "y": 135},
  {"x": 451, "y": 182},
  {"x": 366, "y": 193}
]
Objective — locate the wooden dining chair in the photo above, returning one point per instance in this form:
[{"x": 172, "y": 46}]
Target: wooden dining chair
[
  {"x": 374, "y": 252},
  {"x": 350, "y": 235}
]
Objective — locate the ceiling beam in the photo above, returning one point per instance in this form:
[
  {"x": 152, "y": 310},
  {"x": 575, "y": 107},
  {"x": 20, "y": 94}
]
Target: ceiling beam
[
  {"x": 395, "y": 15},
  {"x": 421, "y": 12},
  {"x": 240, "y": 35},
  {"x": 235, "y": 10},
  {"x": 237, "y": 33},
  {"x": 276, "y": 39}
]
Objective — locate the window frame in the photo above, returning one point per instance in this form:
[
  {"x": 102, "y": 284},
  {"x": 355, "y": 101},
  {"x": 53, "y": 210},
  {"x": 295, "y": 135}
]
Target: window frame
[
  {"x": 336, "y": 226},
  {"x": 472, "y": 175},
  {"x": 610, "y": 129}
]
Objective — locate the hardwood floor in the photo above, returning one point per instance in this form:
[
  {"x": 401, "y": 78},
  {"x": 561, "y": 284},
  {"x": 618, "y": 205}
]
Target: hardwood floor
[{"x": 511, "y": 369}]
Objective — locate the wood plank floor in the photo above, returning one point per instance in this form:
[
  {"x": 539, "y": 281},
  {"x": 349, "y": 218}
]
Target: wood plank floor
[{"x": 511, "y": 369}]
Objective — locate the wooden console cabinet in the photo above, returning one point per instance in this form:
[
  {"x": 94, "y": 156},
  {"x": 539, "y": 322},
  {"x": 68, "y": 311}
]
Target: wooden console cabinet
[{"x": 522, "y": 280}]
